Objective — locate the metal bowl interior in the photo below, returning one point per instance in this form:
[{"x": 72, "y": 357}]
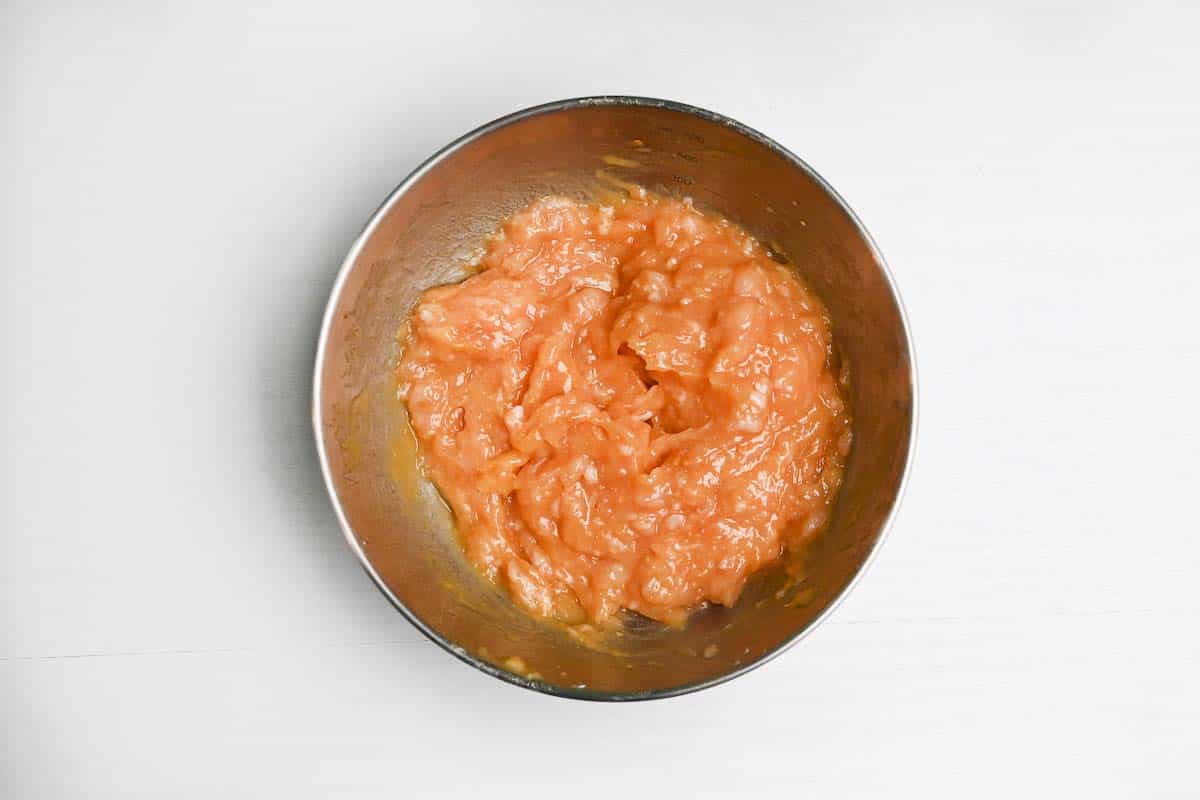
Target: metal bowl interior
[{"x": 436, "y": 221}]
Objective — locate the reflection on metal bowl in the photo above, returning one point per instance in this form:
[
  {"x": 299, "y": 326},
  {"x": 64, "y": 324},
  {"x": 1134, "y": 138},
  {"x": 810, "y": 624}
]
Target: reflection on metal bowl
[{"x": 435, "y": 221}]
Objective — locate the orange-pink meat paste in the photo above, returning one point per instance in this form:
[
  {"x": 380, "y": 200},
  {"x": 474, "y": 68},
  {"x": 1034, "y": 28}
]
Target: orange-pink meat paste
[{"x": 630, "y": 407}]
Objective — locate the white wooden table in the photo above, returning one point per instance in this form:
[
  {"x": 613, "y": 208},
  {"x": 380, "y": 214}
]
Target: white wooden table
[{"x": 180, "y": 617}]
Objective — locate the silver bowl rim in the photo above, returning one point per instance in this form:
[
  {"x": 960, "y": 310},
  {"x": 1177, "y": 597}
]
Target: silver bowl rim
[{"x": 574, "y": 692}]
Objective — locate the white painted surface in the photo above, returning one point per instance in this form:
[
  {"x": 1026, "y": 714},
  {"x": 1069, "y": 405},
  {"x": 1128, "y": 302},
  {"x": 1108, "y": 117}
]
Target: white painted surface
[{"x": 180, "y": 617}]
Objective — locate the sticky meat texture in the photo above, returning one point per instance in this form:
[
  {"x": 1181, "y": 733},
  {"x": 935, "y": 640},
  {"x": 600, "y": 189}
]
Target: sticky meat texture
[{"x": 626, "y": 407}]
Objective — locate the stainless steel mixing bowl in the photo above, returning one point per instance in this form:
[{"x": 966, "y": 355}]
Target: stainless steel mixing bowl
[{"x": 436, "y": 220}]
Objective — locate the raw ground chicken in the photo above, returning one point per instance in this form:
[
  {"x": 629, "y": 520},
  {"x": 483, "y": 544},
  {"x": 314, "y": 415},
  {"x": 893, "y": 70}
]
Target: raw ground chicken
[{"x": 628, "y": 407}]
